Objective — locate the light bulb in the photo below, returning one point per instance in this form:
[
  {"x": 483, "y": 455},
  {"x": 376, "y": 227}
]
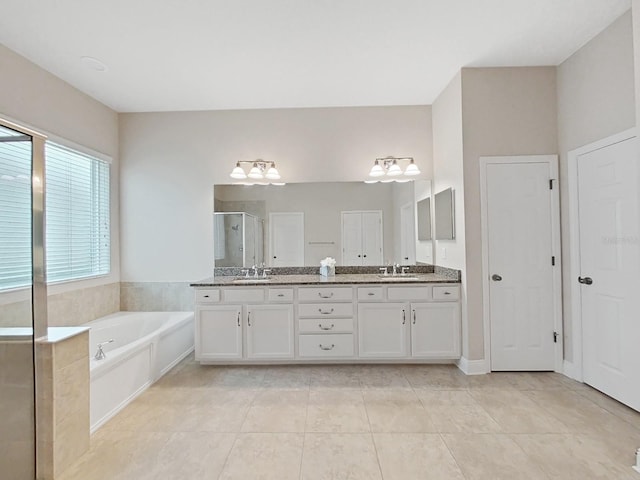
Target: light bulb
[
  {"x": 412, "y": 169},
  {"x": 255, "y": 172},
  {"x": 238, "y": 172},
  {"x": 273, "y": 174},
  {"x": 394, "y": 170}
]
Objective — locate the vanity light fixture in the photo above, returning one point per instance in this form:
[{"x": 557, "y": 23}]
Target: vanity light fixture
[
  {"x": 259, "y": 169},
  {"x": 389, "y": 166}
]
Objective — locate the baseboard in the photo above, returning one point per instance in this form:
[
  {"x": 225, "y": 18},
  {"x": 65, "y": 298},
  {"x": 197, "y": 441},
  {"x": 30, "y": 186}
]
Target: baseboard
[
  {"x": 473, "y": 367},
  {"x": 570, "y": 370}
]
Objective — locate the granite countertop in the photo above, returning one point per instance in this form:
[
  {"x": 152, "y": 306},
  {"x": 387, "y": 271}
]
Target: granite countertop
[{"x": 339, "y": 279}]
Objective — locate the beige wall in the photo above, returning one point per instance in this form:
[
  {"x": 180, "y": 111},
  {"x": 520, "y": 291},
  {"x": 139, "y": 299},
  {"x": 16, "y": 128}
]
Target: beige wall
[
  {"x": 595, "y": 100},
  {"x": 35, "y": 98},
  {"x": 169, "y": 161},
  {"x": 635, "y": 7}
]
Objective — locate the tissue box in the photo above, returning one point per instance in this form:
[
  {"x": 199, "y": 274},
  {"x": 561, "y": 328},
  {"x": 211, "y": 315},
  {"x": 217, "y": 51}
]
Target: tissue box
[{"x": 327, "y": 271}]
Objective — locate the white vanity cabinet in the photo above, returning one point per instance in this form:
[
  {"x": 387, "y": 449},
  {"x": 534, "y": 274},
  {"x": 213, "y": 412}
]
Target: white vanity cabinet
[
  {"x": 435, "y": 330},
  {"x": 218, "y": 332},
  {"x": 382, "y": 330},
  {"x": 270, "y": 332}
]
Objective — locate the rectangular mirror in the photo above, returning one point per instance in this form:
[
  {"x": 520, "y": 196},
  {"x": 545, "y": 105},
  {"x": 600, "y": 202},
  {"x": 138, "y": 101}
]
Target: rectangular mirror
[
  {"x": 424, "y": 219},
  {"x": 340, "y": 220},
  {"x": 445, "y": 215}
]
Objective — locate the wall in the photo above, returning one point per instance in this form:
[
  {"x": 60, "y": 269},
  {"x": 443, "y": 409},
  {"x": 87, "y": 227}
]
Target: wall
[
  {"x": 169, "y": 162},
  {"x": 505, "y": 111},
  {"x": 595, "y": 100},
  {"x": 33, "y": 97},
  {"x": 448, "y": 172},
  {"x": 635, "y": 8}
]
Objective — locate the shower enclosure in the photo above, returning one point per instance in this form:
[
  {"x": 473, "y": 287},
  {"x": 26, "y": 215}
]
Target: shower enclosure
[
  {"x": 238, "y": 239},
  {"x": 23, "y": 296}
]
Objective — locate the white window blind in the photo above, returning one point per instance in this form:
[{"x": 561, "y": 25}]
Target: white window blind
[
  {"x": 77, "y": 214},
  {"x": 15, "y": 211}
]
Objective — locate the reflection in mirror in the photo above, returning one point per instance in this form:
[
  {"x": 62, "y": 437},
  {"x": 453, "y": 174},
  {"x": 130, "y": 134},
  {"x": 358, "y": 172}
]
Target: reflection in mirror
[
  {"x": 424, "y": 248},
  {"x": 444, "y": 207},
  {"x": 341, "y": 220},
  {"x": 424, "y": 219}
]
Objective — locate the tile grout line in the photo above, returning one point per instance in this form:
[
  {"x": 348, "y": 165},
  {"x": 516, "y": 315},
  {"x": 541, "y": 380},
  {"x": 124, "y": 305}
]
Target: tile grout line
[
  {"x": 375, "y": 448},
  {"x": 304, "y": 432}
]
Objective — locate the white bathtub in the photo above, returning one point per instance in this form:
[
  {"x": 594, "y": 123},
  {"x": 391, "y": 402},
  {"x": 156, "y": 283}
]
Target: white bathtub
[{"x": 146, "y": 345}]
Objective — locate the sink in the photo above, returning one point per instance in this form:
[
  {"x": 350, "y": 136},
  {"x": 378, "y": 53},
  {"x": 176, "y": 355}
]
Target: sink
[
  {"x": 252, "y": 280},
  {"x": 399, "y": 278}
]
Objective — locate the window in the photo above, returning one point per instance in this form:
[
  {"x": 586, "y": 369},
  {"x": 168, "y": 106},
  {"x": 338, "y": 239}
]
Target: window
[{"x": 77, "y": 214}]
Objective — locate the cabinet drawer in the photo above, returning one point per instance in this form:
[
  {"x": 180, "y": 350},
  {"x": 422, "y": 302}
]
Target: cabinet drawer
[
  {"x": 205, "y": 295},
  {"x": 409, "y": 293},
  {"x": 326, "y": 345},
  {"x": 446, "y": 293},
  {"x": 370, "y": 293},
  {"x": 281, "y": 294},
  {"x": 242, "y": 294},
  {"x": 320, "y": 325},
  {"x": 328, "y": 310},
  {"x": 337, "y": 294}
]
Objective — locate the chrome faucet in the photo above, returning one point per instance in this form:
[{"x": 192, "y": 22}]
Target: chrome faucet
[
  {"x": 395, "y": 269},
  {"x": 405, "y": 270},
  {"x": 100, "y": 353}
]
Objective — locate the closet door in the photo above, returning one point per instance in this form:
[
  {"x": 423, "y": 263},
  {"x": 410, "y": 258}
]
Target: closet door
[
  {"x": 372, "y": 238},
  {"x": 352, "y": 238}
]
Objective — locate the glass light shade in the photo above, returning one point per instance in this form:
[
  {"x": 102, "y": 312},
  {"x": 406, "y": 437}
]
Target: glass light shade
[
  {"x": 238, "y": 172},
  {"x": 255, "y": 172},
  {"x": 394, "y": 170},
  {"x": 412, "y": 169},
  {"x": 376, "y": 170},
  {"x": 371, "y": 181},
  {"x": 272, "y": 174}
]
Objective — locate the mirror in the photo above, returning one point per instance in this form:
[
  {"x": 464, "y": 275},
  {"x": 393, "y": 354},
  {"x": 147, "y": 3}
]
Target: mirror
[
  {"x": 424, "y": 219},
  {"x": 445, "y": 215},
  {"x": 305, "y": 222}
]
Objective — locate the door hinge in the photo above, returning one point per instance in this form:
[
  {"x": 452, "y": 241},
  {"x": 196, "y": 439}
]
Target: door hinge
[
  {"x": 551, "y": 184},
  {"x": 555, "y": 337},
  {"x": 553, "y": 260}
]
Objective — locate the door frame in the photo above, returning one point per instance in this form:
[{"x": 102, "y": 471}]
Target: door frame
[
  {"x": 552, "y": 161},
  {"x": 301, "y": 240},
  {"x": 574, "y": 368}
]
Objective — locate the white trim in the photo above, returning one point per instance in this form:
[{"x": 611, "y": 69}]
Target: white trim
[
  {"x": 473, "y": 367},
  {"x": 569, "y": 370},
  {"x": 574, "y": 243},
  {"x": 552, "y": 160}
]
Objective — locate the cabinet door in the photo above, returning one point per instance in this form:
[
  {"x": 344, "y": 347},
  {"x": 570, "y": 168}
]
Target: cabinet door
[
  {"x": 218, "y": 332},
  {"x": 435, "y": 330},
  {"x": 351, "y": 238},
  {"x": 382, "y": 330},
  {"x": 270, "y": 331}
]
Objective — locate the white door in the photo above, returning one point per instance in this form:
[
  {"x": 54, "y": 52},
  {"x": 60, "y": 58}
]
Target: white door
[
  {"x": 609, "y": 213},
  {"x": 407, "y": 235},
  {"x": 218, "y": 332},
  {"x": 519, "y": 233},
  {"x": 372, "y": 238},
  {"x": 351, "y": 238},
  {"x": 382, "y": 330},
  {"x": 362, "y": 238},
  {"x": 435, "y": 330},
  {"x": 270, "y": 331},
  {"x": 286, "y": 239}
]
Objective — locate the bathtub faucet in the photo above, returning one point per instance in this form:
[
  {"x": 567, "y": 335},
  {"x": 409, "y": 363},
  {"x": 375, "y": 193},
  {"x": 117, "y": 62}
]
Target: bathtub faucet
[{"x": 100, "y": 354}]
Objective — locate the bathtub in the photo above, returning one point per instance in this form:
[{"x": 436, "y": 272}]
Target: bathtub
[{"x": 146, "y": 345}]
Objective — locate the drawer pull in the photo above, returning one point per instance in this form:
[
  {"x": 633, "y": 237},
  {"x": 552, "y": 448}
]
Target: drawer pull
[
  {"x": 325, "y": 296},
  {"x": 371, "y": 294},
  {"x": 322, "y": 347},
  {"x": 414, "y": 317},
  {"x": 324, "y": 312},
  {"x": 281, "y": 295},
  {"x": 447, "y": 293},
  {"x": 206, "y": 296},
  {"x": 325, "y": 328}
]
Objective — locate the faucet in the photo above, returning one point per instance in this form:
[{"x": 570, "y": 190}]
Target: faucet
[
  {"x": 395, "y": 269},
  {"x": 384, "y": 271},
  {"x": 264, "y": 272},
  {"x": 100, "y": 353},
  {"x": 405, "y": 270}
]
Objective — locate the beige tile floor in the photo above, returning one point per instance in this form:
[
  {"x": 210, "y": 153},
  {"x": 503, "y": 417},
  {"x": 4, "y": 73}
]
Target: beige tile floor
[{"x": 363, "y": 422}]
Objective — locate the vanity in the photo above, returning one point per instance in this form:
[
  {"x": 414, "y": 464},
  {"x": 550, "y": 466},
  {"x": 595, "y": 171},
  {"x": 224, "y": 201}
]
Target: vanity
[{"x": 347, "y": 318}]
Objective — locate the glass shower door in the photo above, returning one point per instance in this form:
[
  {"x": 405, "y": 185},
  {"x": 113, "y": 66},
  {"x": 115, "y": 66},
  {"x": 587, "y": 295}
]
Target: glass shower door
[{"x": 22, "y": 295}]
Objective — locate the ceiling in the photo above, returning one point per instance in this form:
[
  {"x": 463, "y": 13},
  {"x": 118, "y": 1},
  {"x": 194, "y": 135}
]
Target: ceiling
[{"x": 166, "y": 55}]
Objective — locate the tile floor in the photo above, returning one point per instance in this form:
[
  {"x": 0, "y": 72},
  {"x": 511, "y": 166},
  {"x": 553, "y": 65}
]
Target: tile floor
[{"x": 363, "y": 422}]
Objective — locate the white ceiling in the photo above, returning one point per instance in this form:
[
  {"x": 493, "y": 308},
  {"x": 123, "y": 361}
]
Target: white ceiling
[{"x": 165, "y": 55}]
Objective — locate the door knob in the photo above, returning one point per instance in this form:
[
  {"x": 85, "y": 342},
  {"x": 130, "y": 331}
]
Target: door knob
[
  {"x": 585, "y": 280},
  {"x": 496, "y": 278}
]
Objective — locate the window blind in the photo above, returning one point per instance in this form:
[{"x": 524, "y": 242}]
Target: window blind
[
  {"x": 77, "y": 214},
  {"x": 15, "y": 211}
]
